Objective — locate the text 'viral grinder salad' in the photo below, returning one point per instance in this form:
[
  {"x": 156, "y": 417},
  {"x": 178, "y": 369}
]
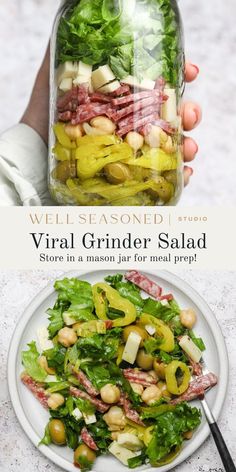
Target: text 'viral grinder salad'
[
  {"x": 116, "y": 82},
  {"x": 116, "y": 368}
]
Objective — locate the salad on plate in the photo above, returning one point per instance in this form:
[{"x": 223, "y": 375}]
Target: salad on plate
[{"x": 116, "y": 368}]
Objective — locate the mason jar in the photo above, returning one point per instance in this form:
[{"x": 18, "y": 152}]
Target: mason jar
[{"x": 117, "y": 77}]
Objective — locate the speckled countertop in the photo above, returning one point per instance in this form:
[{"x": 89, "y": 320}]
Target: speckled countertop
[
  {"x": 17, "y": 290},
  {"x": 210, "y": 42}
]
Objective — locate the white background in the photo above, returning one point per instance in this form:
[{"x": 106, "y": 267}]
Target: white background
[
  {"x": 210, "y": 42},
  {"x": 17, "y": 290}
]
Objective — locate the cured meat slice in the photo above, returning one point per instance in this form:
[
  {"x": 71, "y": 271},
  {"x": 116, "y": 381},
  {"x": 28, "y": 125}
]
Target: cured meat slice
[
  {"x": 88, "y": 440},
  {"x": 133, "y": 108},
  {"x": 36, "y": 388},
  {"x": 134, "y": 97},
  {"x": 196, "y": 366},
  {"x": 133, "y": 118},
  {"x": 83, "y": 379},
  {"x": 100, "y": 97},
  {"x": 122, "y": 90},
  {"x": 136, "y": 124},
  {"x": 161, "y": 123},
  {"x": 100, "y": 405},
  {"x": 130, "y": 413},
  {"x": 65, "y": 116},
  {"x": 196, "y": 388},
  {"x": 168, "y": 297},
  {"x": 63, "y": 102},
  {"x": 144, "y": 283},
  {"x": 139, "y": 377},
  {"x": 90, "y": 110},
  {"x": 109, "y": 324}
]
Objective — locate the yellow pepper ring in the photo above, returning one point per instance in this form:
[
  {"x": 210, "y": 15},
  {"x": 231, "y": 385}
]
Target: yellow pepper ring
[
  {"x": 115, "y": 301},
  {"x": 162, "y": 330},
  {"x": 171, "y": 380}
]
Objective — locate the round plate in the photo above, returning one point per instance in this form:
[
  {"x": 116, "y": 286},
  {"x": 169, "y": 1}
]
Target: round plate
[{"x": 33, "y": 417}]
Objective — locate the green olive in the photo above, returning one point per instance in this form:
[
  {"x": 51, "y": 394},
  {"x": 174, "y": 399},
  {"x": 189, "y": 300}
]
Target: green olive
[
  {"x": 165, "y": 190},
  {"x": 135, "y": 329},
  {"x": 57, "y": 432},
  {"x": 170, "y": 176},
  {"x": 144, "y": 360},
  {"x": 117, "y": 173},
  {"x": 82, "y": 453},
  {"x": 159, "y": 368},
  {"x": 64, "y": 170}
]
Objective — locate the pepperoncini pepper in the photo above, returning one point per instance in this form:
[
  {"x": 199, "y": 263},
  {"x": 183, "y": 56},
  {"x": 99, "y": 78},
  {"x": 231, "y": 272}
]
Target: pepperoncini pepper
[
  {"x": 155, "y": 159},
  {"x": 103, "y": 294},
  {"x": 173, "y": 386},
  {"x": 62, "y": 137},
  {"x": 162, "y": 330}
]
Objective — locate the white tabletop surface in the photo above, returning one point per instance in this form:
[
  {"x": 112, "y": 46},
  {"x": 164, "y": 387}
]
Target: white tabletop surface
[
  {"x": 210, "y": 42},
  {"x": 17, "y": 289}
]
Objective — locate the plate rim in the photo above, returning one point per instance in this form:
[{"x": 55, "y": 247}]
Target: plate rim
[{"x": 169, "y": 277}]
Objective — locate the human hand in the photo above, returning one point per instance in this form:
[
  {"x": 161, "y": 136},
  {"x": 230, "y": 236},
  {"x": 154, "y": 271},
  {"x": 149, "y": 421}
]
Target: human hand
[
  {"x": 191, "y": 116},
  {"x": 37, "y": 112}
]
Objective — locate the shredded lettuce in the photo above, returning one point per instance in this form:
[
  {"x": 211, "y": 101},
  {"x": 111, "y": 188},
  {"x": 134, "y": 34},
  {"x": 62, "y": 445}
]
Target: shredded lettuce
[
  {"x": 31, "y": 365},
  {"x": 169, "y": 428},
  {"x": 100, "y": 347},
  {"x": 100, "y": 32}
]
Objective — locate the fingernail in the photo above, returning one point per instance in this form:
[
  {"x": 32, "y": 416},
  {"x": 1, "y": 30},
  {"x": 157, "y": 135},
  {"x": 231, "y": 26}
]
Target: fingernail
[
  {"x": 196, "y": 68},
  {"x": 194, "y": 114},
  {"x": 196, "y": 149}
]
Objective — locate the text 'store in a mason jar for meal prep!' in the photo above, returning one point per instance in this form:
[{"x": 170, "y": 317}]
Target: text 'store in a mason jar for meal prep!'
[{"x": 116, "y": 83}]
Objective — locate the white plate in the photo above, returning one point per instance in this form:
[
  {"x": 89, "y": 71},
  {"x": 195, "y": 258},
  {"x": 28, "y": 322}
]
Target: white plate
[{"x": 33, "y": 417}]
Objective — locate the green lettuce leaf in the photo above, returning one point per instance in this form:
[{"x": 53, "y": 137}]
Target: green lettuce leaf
[
  {"x": 55, "y": 321},
  {"x": 169, "y": 429},
  {"x": 100, "y": 346},
  {"x": 31, "y": 365}
]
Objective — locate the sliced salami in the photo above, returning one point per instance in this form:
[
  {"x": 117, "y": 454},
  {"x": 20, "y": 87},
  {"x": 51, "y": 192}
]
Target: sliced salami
[
  {"x": 65, "y": 116},
  {"x": 196, "y": 388},
  {"x": 36, "y": 388},
  {"x": 139, "y": 377},
  {"x": 133, "y": 108},
  {"x": 88, "y": 440},
  {"x": 100, "y": 97},
  {"x": 100, "y": 405},
  {"x": 130, "y": 413},
  {"x": 161, "y": 124},
  {"x": 134, "y": 97},
  {"x": 144, "y": 283},
  {"x": 122, "y": 90},
  {"x": 134, "y": 125},
  {"x": 85, "y": 382},
  {"x": 89, "y": 111}
]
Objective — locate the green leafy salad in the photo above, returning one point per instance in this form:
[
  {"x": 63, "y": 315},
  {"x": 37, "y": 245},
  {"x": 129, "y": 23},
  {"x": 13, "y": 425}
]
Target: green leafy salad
[{"x": 114, "y": 369}]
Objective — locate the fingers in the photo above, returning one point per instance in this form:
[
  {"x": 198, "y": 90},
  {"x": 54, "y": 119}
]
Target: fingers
[
  {"x": 190, "y": 149},
  {"x": 188, "y": 172},
  {"x": 191, "y": 72},
  {"x": 191, "y": 115}
]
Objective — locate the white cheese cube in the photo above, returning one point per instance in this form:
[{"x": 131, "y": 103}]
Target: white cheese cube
[
  {"x": 43, "y": 339},
  {"x": 67, "y": 70},
  {"x": 121, "y": 453},
  {"x": 85, "y": 69},
  {"x": 164, "y": 302},
  {"x": 102, "y": 76},
  {"x": 68, "y": 318},
  {"x": 190, "y": 348},
  {"x": 66, "y": 85},
  {"x": 150, "y": 329},
  {"x": 89, "y": 419},
  {"x": 169, "y": 108},
  {"x": 130, "y": 441},
  {"x": 146, "y": 84},
  {"x": 131, "y": 348},
  {"x": 109, "y": 88},
  {"x": 77, "y": 414},
  {"x": 81, "y": 79}
]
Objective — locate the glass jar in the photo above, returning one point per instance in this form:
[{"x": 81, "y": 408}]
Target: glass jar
[{"x": 117, "y": 76}]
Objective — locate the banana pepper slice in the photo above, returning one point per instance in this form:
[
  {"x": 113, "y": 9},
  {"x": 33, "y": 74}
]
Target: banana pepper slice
[
  {"x": 162, "y": 330},
  {"x": 155, "y": 159},
  {"x": 62, "y": 137},
  {"x": 103, "y": 293},
  {"x": 171, "y": 381}
]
